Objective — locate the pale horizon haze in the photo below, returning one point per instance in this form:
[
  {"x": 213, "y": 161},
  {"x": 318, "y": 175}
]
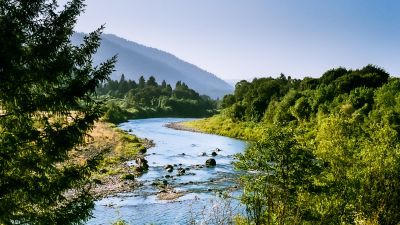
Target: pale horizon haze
[{"x": 243, "y": 39}]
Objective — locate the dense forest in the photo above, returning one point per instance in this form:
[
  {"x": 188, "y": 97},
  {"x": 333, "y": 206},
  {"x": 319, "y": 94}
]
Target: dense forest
[
  {"x": 128, "y": 99},
  {"x": 326, "y": 150}
]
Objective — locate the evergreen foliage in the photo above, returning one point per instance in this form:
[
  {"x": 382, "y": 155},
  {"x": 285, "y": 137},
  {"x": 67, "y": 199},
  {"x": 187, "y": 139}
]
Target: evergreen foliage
[{"x": 47, "y": 106}]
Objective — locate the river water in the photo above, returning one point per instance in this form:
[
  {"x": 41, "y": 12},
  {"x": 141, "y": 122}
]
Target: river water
[{"x": 200, "y": 185}]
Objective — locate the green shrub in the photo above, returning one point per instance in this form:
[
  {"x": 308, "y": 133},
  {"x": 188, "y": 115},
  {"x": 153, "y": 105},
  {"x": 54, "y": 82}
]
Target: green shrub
[{"x": 128, "y": 177}]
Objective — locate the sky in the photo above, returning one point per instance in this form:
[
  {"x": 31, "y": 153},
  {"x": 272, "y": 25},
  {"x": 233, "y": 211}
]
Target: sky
[{"x": 242, "y": 39}]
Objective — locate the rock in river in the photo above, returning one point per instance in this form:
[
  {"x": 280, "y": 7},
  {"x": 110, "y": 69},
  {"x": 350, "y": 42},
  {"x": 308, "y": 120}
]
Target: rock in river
[
  {"x": 168, "y": 168},
  {"x": 211, "y": 162},
  {"x": 181, "y": 171}
]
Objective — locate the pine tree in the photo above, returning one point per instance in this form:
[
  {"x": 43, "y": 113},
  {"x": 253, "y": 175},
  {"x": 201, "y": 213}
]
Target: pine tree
[
  {"x": 163, "y": 84},
  {"x": 152, "y": 82},
  {"x": 123, "y": 86},
  {"x": 142, "y": 82},
  {"x": 47, "y": 106}
]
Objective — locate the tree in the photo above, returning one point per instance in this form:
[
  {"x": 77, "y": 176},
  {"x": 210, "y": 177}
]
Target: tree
[
  {"x": 227, "y": 101},
  {"x": 123, "y": 86},
  {"x": 301, "y": 109},
  {"x": 279, "y": 170},
  {"x": 47, "y": 106},
  {"x": 241, "y": 89},
  {"x": 362, "y": 176},
  {"x": 142, "y": 82},
  {"x": 163, "y": 84},
  {"x": 333, "y": 74},
  {"x": 152, "y": 82}
]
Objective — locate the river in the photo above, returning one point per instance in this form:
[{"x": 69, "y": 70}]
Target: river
[{"x": 200, "y": 185}]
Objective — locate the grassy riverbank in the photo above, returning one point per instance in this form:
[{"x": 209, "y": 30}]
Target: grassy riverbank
[
  {"x": 117, "y": 147},
  {"x": 224, "y": 126}
]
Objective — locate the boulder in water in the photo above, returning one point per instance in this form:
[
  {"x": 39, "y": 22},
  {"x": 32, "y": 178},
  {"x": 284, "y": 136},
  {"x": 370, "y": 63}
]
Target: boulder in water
[
  {"x": 168, "y": 166},
  {"x": 211, "y": 162},
  {"x": 181, "y": 171},
  {"x": 142, "y": 163}
]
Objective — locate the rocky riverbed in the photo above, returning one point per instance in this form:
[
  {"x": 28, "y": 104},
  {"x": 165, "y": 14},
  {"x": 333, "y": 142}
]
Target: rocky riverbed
[
  {"x": 184, "y": 168},
  {"x": 115, "y": 174}
]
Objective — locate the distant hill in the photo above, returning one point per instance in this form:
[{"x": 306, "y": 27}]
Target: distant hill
[{"x": 135, "y": 60}]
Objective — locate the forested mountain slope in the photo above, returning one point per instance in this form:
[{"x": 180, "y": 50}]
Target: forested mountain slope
[{"x": 135, "y": 60}]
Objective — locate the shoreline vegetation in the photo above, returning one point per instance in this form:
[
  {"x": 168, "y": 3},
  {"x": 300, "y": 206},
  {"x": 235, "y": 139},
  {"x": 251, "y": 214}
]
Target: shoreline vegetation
[
  {"x": 334, "y": 141},
  {"x": 219, "y": 125},
  {"x": 114, "y": 174}
]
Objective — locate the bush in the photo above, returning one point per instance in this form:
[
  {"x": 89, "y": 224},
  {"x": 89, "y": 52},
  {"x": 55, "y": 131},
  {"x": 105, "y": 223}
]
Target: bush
[
  {"x": 115, "y": 114},
  {"x": 128, "y": 177}
]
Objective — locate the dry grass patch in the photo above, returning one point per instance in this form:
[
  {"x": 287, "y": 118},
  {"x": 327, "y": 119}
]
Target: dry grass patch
[{"x": 117, "y": 148}]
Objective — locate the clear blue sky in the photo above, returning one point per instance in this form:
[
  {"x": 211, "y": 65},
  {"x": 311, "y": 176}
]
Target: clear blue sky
[{"x": 240, "y": 39}]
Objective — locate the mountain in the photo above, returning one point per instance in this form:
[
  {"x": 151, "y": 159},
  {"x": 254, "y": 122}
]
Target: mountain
[{"x": 135, "y": 60}]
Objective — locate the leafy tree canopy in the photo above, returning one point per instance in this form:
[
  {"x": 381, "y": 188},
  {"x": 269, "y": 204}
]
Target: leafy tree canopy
[{"x": 327, "y": 151}]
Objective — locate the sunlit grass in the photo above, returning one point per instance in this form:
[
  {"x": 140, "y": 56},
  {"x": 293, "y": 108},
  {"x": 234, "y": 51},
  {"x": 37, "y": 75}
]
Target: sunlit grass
[
  {"x": 221, "y": 125},
  {"x": 116, "y": 146}
]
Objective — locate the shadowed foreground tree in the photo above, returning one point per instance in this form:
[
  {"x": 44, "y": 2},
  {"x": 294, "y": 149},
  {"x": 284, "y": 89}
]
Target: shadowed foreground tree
[{"x": 47, "y": 106}]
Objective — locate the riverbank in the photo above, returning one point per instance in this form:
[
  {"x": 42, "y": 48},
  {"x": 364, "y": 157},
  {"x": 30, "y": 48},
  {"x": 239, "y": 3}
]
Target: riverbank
[
  {"x": 184, "y": 127},
  {"x": 220, "y": 125},
  {"x": 114, "y": 174}
]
